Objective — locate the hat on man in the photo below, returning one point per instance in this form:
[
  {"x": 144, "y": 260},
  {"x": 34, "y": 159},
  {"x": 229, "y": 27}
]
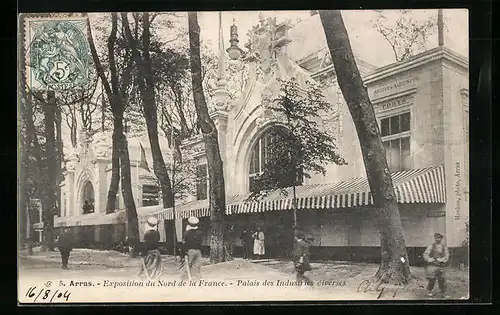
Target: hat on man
[
  {"x": 193, "y": 221},
  {"x": 438, "y": 235},
  {"x": 152, "y": 221}
]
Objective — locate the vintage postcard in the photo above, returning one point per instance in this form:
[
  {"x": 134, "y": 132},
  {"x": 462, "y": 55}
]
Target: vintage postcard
[{"x": 243, "y": 156}]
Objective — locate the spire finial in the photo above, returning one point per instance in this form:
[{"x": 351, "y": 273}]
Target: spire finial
[
  {"x": 221, "y": 49},
  {"x": 261, "y": 17}
]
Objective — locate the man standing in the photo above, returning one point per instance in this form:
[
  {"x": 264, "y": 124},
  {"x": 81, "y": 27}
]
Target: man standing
[
  {"x": 65, "y": 244},
  {"x": 192, "y": 249},
  {"x": 229, "y": 242},
  {"x": 436, "y": 255},
  {"x": 301, "y": 258},
  {"x": 246, "y": 240}
]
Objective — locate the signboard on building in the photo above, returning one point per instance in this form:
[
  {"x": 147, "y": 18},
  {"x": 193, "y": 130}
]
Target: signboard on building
[
  {"x": 393, "y": 103},
  {"x": 394, "y": 87}
]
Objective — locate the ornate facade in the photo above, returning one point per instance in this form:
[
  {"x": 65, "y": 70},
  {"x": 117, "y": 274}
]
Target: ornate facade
[
  {"x": 84, "y": 191},
  {"x": 421, "y": 106},
  {"x": 415, "y": 103}
]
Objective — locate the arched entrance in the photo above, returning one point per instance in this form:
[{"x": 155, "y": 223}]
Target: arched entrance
[{"x": 88, "y": 200}]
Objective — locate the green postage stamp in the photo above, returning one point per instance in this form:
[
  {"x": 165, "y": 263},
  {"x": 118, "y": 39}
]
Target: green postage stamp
[{"x": 56, "y": 52}]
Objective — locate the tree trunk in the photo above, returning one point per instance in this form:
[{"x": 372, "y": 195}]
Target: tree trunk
[
  {"x": 159, "y": 167},
  {"x": 31, "y": 139},
  {"x": 30, "y": 232},
  {"x": 115, "y": 102},
  {"x": 22, "y": 181},
  {"x": 128, "y": 197},
  {"x": 73, "y": 131},
  {"x": 217, "y": 194},
  {"x": 217, "y": 197},
  {"x": 60, "y": 158},
  {"x": 394, "y": 265},
  {"x": 115, "y": 166},
  {"x": 146, "y": 88},
  {"x": 49, "y": 172}
]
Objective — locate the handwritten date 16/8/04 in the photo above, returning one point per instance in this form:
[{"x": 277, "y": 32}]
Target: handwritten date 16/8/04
[{"x": 47, "y": 296}]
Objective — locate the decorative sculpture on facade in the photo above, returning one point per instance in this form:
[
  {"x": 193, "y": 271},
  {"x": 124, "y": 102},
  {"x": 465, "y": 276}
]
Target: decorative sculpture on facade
[
  {"x": 265, "y": 47},
  {"x": 333, "y": 122},
  {"x": 465, "y": 96},
  {"x": 71, "y": 160},
  {"x": 266, "y": 42},
  {"x": 102, "y": 145},
  {"x": 85, "y": 140}
]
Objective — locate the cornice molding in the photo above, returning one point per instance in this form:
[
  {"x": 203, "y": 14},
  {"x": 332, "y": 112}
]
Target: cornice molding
[{"x": 439, "y": 53}]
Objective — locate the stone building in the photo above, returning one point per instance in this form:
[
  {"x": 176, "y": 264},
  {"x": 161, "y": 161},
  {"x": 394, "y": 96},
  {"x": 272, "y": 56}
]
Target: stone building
[
  {"x": 422, "y": 109},
  {"x": 421, "y": 105},
  {"x": 84, "y": 191}
]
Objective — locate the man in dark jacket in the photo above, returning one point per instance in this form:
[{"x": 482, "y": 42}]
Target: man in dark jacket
[
  {"x": 301, "y": 258},
  {"x": 65, "y": 244},
  {"x": 151, "y": 263},
  {"x": 247, "y": 242},
  {"x": 192, "y": 249}
]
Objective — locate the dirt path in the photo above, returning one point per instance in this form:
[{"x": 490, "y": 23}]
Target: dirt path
[{"x": 237, "y": 280}]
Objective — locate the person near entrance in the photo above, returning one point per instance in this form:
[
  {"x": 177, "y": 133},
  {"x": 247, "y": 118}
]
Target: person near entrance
[
  {"x": 87, "y": 207},
  {"x": 436, "y": 255},
  {"x": 246, "y": 241},
  {"x": 301, "y": 258},
  {"x": 192, "y": 250},
  {"x": 151, "y": 265},
  {"x": 65, "y": 244},
  {"x": 259, "y": 248},
  {"x": 229, "y": 242}
]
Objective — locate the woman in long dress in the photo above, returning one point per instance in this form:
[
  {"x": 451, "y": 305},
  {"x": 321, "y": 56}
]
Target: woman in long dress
[
  {"x": 259, "y": 248},
  {"x": 151, "y": 265}
]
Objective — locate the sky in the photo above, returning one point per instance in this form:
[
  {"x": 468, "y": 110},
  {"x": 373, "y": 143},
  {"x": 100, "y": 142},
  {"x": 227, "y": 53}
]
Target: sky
[
  {"x": 358, "y": 24},
  {"x": 244, "y": 20}
]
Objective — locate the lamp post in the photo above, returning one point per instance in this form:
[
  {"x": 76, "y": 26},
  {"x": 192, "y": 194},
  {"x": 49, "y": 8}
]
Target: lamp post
[{"x": 234, "y": 51}]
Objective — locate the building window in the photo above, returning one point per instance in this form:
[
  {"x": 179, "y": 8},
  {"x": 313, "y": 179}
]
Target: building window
[
  {"x": 150, "y": 195},
  {"x": 259, "y": 158},
  {"x": 395, "y": 132},
  {"x": 201, "y": 182}
]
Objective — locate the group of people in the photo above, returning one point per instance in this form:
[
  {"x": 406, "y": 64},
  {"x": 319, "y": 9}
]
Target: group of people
[
  {"x": 253, "y": 243},
  {"x": 436, "y": 254},
  {"x": 151, "y": 265}
]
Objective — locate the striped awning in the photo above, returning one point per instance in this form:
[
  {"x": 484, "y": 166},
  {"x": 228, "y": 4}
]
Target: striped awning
[
  {"x": 198, "y": 208},
  {"x": 118, "y": 217},
  {"x": 425, "y": 185}
]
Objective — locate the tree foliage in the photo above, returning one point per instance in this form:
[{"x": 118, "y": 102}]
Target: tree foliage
[
  {"x": 406, "y": 34},
  {"x": 299, "y": 146}
]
